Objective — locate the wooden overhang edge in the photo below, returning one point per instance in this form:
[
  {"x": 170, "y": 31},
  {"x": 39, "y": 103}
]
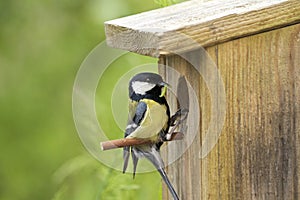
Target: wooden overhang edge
[{"x": 166, "y": 30}]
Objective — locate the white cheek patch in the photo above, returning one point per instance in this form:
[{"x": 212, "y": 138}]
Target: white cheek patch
[{"x": 142, "y": 87}]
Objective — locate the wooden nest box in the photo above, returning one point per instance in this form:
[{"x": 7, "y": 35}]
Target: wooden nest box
[{"x": 242, "y": 60}]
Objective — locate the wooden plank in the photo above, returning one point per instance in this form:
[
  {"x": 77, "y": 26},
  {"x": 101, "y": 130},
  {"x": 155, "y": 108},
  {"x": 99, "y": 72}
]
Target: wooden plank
[
  {"x": 164, "y": 152},
  {"x": 168, "y": 30},
  {"x": 210, "y": 163},
  {"x": 257, "y": 154},
  {"x": 184, "y": 171}
]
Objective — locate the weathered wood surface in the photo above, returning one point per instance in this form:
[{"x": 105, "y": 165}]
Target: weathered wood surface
[
  {"x": 165, "y": 30},
  {"x": 258, "y": 153}
]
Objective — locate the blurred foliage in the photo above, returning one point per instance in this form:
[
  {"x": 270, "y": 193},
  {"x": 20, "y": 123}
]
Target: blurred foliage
[
  {"x": 164, "y": 3},
  {"x": 42, "y": 44}
]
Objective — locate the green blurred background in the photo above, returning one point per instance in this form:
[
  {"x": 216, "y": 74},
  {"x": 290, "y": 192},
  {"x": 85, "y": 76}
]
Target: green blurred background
[{"x": 42, "y": 44}]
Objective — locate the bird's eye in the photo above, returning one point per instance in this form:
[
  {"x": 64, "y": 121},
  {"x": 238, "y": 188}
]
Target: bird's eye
[{"x": 148, "y": 80}]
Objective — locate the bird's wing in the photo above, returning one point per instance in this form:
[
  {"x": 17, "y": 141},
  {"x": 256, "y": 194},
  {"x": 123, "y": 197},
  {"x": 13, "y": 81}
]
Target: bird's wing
[
  {"x": 137, "y": 111},
  {"x": 136, "y": 115}
]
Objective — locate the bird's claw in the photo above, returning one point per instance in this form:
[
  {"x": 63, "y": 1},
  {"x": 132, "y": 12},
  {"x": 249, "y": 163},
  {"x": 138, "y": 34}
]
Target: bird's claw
[{"x": 175, "y": 121}]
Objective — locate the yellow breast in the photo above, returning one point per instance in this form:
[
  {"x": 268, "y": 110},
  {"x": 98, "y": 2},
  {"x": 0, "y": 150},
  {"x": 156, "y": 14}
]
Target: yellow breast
[{"x": 154, "y": 121}]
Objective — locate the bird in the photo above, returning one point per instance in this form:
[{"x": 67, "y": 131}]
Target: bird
[{"x": 148, "y": 118}]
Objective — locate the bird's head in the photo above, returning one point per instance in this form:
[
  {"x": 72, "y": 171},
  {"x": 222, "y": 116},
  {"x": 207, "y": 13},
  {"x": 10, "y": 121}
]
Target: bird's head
[{"x": 147, "y": 84}]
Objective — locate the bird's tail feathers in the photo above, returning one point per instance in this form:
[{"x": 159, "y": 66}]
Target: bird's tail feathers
[
  {"x": 168, "y": 183},
  {"x": 135, "y": 160},
  {"x": 125, "y": 158},
  {"x": 134, "y": 156},
  {"x": 154, "y": 157}
]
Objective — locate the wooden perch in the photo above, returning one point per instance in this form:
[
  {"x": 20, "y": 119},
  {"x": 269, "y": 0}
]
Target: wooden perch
[{"x": 113, "y": 144}]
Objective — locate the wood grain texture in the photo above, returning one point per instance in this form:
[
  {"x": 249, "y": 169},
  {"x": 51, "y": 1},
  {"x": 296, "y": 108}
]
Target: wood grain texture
[
  {"x": 258, "y": 153},
  {"x": 166, "y": 30},
  {"x": 184, "y": 172}
]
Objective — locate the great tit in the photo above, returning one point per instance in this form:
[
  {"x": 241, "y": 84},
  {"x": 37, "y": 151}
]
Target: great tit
[{"x": 149, "y": 118}]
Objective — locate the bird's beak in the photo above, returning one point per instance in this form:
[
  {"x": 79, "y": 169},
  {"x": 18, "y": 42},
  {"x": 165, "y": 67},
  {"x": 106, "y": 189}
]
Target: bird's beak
[
  {"x": 164, "y": 89},
  {"x": 164, "y": 84}
]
